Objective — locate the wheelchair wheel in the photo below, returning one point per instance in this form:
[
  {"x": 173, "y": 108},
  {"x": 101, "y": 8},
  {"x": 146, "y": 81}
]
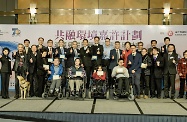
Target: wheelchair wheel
[
  {"x": 131, "y": 97},
  {"x": 89, "y": 94},
  {"x": 44, "y": 95},
  {"x": 107, "y": 95},
  {"x": 60, "y": 96}
]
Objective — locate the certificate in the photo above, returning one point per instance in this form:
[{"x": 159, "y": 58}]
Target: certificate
[
  {"x": 120, "y": 70},
  {"x": 62, "y": 56},
  {"x": 99, "y": 72},
  {"x": 94, "y": 57},
  {"x": 143, "y": 65},
  {"x": 56, "y": 77},
  {"x": 79, "y": 73},
  {"x": 50, "y": 60},
  {"x": 46, "y": 66}
]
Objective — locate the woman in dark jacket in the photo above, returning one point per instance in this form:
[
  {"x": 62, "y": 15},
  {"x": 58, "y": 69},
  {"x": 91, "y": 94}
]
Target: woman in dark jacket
[
  {"x": 145, "y": 73},
  {"x": 6, "y": 72}
]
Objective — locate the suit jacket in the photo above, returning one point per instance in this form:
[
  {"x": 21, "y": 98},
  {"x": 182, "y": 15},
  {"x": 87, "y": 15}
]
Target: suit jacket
[
  {"x": 136, "y": 63},
  {"x": 29, "y": 50},
  {"x": 113, "y": 62},
  {"x": 40, "y": 62},
  {"x": 147, "y": 60},
  {"x": 17, "y": 58},
  {"x": 53, "y": 53},
  {"x": 43, "y": 47},
  {"x": 70, "y": 57},
  {"x": 157, "y": 71},
  {"x": 95, "y": 49},
  {"x": 6, "y": 64},
  {"x": 32, "y": 66},
  {"x": 165, "y": 50},
  {"x": 169, "y": 66},
  {"x": 86, "y": 57}
]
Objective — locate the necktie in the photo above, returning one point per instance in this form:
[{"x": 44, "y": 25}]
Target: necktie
[
  {"x": 62, "y": 51},
  {"x": 169, "y": 56},
  {"x": 75, "y": 51},
  {"x": 117, "y": 52},
  {"x": 154, "y": 58}
]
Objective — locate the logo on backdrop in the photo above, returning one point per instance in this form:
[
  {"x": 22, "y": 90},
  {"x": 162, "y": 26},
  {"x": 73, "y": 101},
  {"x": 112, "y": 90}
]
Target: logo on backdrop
[
  {"x": 170, "y": 33},
  {"x": 16, "y": 32}
]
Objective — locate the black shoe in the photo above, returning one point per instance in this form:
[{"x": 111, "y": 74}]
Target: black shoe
[
  {"x": 165, "y": 97},
  {"x": 16, "y": 96},
  {"x": 152, "y": 96},
  {"x": 180, "y": 96}
]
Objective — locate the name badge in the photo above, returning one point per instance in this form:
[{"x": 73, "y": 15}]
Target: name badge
[
  {"x": 78, "y": 73},
  {"x": 94, "y": 57},
  {"x": 46, "y": 66},
  {"x": 56, "y": 77},
  {"x": 99, "y": 72},
  {"x": 62, "y": 56},
  {"x": 184, "y": 62},
  {"x": 120, "y": 70},
  {"x": 171, "y": 58},
  {"x": 50, "y": 60}
]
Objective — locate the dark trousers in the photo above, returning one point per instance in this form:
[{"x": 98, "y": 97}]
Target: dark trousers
[
  {"x": 5, "y": 78},
  {"x": 123, "y": 81},
  {"x": 136, "y": 83},
  {"x": 169, "y": 79},
  {"x": 32, "y": 80},
  {"x": 106, "y": 63},
  {"x": 144, "y": 84},
  {"x": 40, "y": 83},
  {"x": 19, "y": 73},
  {"x": 182, "y": 86},
  {"x": 88, "y": 73},
  {"x": 156, "y": 85}
]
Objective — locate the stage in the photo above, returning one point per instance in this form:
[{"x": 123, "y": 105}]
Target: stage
[{"x": 163, "y": 110}]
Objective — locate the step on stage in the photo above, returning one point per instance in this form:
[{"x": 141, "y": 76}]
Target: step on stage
[{"x": 100, "y": 110}]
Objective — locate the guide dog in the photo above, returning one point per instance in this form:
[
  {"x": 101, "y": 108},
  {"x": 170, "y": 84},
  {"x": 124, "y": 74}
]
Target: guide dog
[{"x": 24, "y": 87}]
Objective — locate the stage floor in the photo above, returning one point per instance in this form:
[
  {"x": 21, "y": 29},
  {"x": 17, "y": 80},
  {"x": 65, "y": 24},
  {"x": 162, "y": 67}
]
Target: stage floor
[{"x": 121, "y": 106}]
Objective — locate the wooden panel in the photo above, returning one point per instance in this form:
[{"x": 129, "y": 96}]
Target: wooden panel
[
  {"x": 23, "y": 4},
  {"x": 86, "y": 19},
  {"x": 177, "y": 3},
  {"x": 42, "y": 4},
  {"x": 110, "y": 19},
  {"x": 42, "y": 18},
  {"x": 156, "y": 3},
  {"x": 176, "y": 19},
  {"x": 136, "y": 19},
  {"x": 156, "y": 19},
  {"x": 23, "y": 19},
  {"x": 136, "y": 3},
  {"x": 62, "y": 4},
  {"x": 86, "y": 4},
  {"x": 111, "y": 4},
  {"x": 61, "y": 19}
]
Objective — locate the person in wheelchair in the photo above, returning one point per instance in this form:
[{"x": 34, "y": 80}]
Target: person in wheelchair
[
  {"x": 121, "y": 74},
  {"x": 76, "y": 75},
  {"x": 55, "y": 76},
  {"x": 99, "y": 74}
]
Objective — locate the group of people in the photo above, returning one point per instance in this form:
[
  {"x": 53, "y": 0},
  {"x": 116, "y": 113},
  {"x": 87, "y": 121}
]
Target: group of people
[{"x": 144, "y": 68}]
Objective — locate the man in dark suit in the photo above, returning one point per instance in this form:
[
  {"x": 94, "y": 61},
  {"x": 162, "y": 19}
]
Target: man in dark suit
[
  {"x": 164, "y": 49},
  {"x": 20, "y": 66},
  {"x": 153, "y": 44},
  {"x": 140, "y": 47},
  {"x": 32, "y": 58},
  {"x": 6, "y": 72},
  {"x": 97, "y": 53},
  {"x": 27, "y": 48},
  {"x": 41, "y": 71},
  {"x": 72, "y": 53},
  {"x": 86, "y": 55},
  {"x": 156, "y": 73},
  {"x": 50, "y": 49},
  {"x": 134, "y": 63},
  {"x": 60, "y": 52},
  {"x": 170, "y": 61},
  {"x": 40, "y": 44},
  {"x": 115, "y": 55}
]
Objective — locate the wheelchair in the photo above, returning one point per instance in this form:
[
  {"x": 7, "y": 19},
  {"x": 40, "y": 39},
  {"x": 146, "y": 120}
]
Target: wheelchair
[
  {"x": 82, "y": 90},
  {"x": 99, "y": 88},
  {"x": 125, "y": 93},
  {"x": 59, "y": 94}
]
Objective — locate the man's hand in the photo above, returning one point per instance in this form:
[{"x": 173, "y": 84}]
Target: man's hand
[
  {"x": 31, "y": 61},
  {"x": 112, "y": 57},
  {"x": 133, "y": 71},
  {"x": 180, "y": 74},
  {"x": 130, "y": 62},
  {"x": 174, "y": 61},
  {"x": 49, "y": 72}
]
